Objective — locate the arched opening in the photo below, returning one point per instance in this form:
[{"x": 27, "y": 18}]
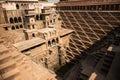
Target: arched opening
[
  {"x": 46, "y": 62},
  {"x": 33, "y": 35},
  {"x": 107, "y": 7},
  {"x": 37, "y": 17},
  {"x": 15, "y": 20},
  {"x": 53, "y": 20},
  {"x": 117, "y": 7},
  {"x": 33, "y": 26},
  {"x": 41, "y": 59},
  {"x": 49, "y": 44},
  {"x": 103, "y": 7},
  {"x": 22, "y": 4},
  {"x": 6, "y": 28},
  {"x": 19, "y": 19},
  {"x": 17, "y": 27},
  {"x": 11, "y": 20},
  {"x": 57, "y": 41},
  {"x": 41, "y": 17},
  {"x": 28, "y": 26},
  {"x": 17, "y": 6},
  {"x": 53, "y": 42},
  {"x": 13, "y": 28},
  {"x": 50, "y": 21},
  {"x": 112, "y": 7},
  {"x": 21, "y": 26}
]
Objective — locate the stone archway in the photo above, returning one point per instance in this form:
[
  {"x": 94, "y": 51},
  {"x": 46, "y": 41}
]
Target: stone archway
[
  {"x": 53, "y": 42},
  {"x": 13, "y": 28},
  {"x": 21, "y": 26},
  {"x": 37, "y": 17},
  {"x": 11, "y": 20},
  {"x": 17, "y": 27},
  {"x": 19, "y": 19},
  {"x": 15, "y": 20},
  {"x": 49, "y": 44},
  {"x": 17, "y": 6},
  {"x": 33, "y": 35},
  {"x": 57, "y": 40}
]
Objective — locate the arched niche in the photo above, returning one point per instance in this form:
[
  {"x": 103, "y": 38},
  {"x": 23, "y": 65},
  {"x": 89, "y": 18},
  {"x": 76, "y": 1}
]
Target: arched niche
[
  {"x": 33, "y": 35},
  {"x": 49, "y": 43},
  {"x": 15, "y": 20},
  {"x": 11, "y": 20},
  {"x": 53, "y": 41},
  {"x": 17, "y": 27},
  {"x": 19, "y": 19},
  {"x": 21, "y": 26},
  {"x": 17, "y": 6},
  {"x": 37, "y": 17},
  {"x": 57, "y": 40},
  {"x": 13, "y": 28}
]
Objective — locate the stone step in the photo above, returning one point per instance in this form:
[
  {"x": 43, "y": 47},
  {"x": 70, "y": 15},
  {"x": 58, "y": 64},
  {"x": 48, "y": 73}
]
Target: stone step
[
  {"x": 10, "y": 73},
  {"x": 83, "y": 76},
  {"x": 15, "y": 54},
  {"x": 26, "y": 67},
  {"x": 109, "y": 56},
  {"x": 4, "y": 56},
  {"x": 21, "y": 63},
  {"x": 111, "y": 53},
  {"x": 7, "y": 64},
  {"x": 108, "y": 60},
  {"x": 106, "y": 64},
  {"x": 97, "y": 60},
  {"x": 19, "y": 58},
  {"x": 99, "y": 55},
  {"x": 3, "y": 49}
]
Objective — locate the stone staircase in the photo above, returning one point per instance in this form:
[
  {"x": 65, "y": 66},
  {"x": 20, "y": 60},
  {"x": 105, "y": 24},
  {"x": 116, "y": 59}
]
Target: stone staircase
[
  {"x": 17, "y": 66},
  {"x": 98, "y": 57},
  {"x": 108, "y": 59},
  {"x": 8, "y": 68}
]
